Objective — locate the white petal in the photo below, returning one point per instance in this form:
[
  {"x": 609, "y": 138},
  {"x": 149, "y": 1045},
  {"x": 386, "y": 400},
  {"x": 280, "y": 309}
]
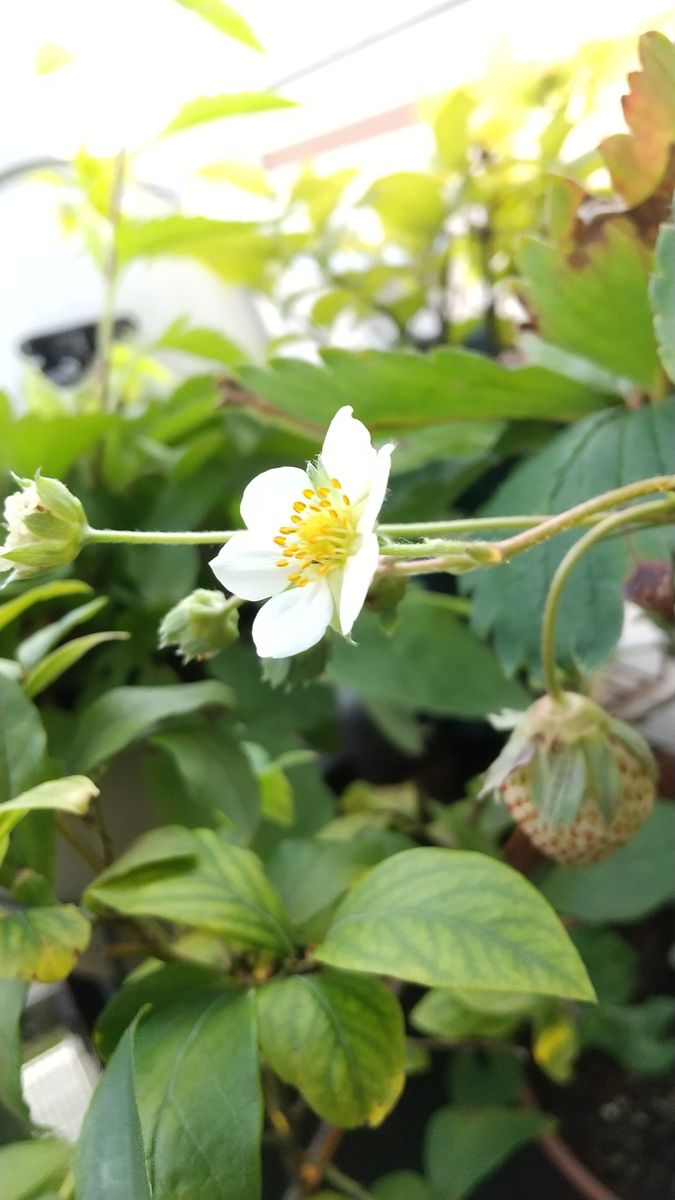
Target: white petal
[
  {"x": 347, "y": 454},
  {"x": 356, "y": 579},
  {"x": 293, "y": 622},
  {"x": 268, "y": 499},
  {"x": 246, "y": 567},
  {"x": 378, "y": 488}
]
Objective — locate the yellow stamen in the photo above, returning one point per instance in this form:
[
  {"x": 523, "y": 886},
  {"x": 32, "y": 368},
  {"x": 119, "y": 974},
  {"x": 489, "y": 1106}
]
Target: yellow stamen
[
  {"x": 336, "y": 484},
  {"x": 296, "y": 519},
  {"x": 324, "y": 504},
  {"x": 299, "y": 507},
  {"x": 279, "y": 541},
  {"x": 294, "y": 577},
  {"x": 309, "y": 493},
  {"x": 287, "y": 529},
  {"x": 346, "y": 500},
  {"x": 283, "y": 562},
  {"x": 323, "y": 491}
]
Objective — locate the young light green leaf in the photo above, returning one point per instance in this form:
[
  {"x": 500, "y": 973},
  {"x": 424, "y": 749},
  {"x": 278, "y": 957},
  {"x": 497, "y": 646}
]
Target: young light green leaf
[
  {"x": 198, "y": 1089},
  {"x": 224, "y": 18},
  {"x": 54, "y": 664},
  {"x": 41, "y": 944},
  {"x": 125, "y": 714},
  {"x": 33, "y": 648},
  {"x": 242, "y": 175},
  {"x": 29, "y": 1169},
  {"x": 110, "y": 1160},
  {"x": 204, "y": 343},
  {"x": 71, "y": 794},
  {"x": 210, "y": 885},
  {"x": 12, "y": 609},
  {"x": 457, "y": 1013},
  {"x": 339, "y": 1039},
  {"x": 214, "y": 108},
  {"x": 454, "y": 918},
  {"x": 464, "y": 1145}
]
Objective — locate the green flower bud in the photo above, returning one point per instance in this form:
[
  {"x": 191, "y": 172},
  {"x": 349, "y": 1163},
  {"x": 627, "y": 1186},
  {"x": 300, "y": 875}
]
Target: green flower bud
[
  {"x": 45, "y": 524},
  {"x": 201, "y": 625}
]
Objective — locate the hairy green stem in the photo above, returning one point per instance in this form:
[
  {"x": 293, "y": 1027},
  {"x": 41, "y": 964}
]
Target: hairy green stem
[
  {"x": 160, "y": 537},
  {"x": 576, "y": 515},
  {"x": 642, "y": 512}
]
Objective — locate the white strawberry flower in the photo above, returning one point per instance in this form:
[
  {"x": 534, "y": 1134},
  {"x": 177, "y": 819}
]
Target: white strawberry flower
[{"x": 310, "y": 543}]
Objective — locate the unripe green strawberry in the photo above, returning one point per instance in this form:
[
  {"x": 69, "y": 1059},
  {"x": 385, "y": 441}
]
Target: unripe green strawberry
[{"x": 577, "y": 781}]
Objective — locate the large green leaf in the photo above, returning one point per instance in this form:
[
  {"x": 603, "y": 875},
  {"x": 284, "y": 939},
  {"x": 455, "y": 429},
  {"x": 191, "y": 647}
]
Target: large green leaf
[
  {"x": 195, "y": 879},
  {"x": 432, "y": 662},
  {"x": 126, "y": 714},
  {"x": 110, "y": 1161},
  {"x": 568, "y": 292},
  {"x": 454, "y": 918},
  {"x": 28, "y": 1169},
  {"x": 12, "y": 609},
  {"x": 238, "y": 251},
  {"x": 603, "y": 452},
  {"x": 225, "y": 18},
  {"x": 152, "y": 985},
  {"x": 23, "y": 741},
  {"x": 12, "y": 999},
  {"x": 216, "y": 773},
  {"x": 310, "y": 874},
  {"x": 199, "y": 1098},
  {"x": 448, "y": 385},
  {"x": 203, "y": 343},
  {"x": 662, "y": 296},
  {"x": 41, "y": 943},
  {"x": 213, "y": 108},
  {"x": 338, "y": 1038},
  {"x": 464, "y": 1145},
  {"x": 627, "y": 886}
]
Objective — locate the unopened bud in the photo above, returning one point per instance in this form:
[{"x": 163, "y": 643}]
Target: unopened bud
[
  {"x": 45, "y": 524},
  {"x": 201, "y": 625}
]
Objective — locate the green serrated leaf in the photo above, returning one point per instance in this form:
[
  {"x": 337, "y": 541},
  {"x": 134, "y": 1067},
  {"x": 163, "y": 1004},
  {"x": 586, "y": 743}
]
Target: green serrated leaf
[
  {"x": 454, "y": 918},
  {"x": 603, "y": 452},
  {"x": 214, "y": 108},
  {"x": 338, "y": 1038}
]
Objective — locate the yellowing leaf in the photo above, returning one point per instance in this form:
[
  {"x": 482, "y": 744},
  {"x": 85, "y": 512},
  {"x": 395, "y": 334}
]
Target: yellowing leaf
[{"x": 41, "y": 944}]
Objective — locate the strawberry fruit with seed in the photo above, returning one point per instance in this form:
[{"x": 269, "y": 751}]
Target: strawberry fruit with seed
[{"x": 576, "y": 780}]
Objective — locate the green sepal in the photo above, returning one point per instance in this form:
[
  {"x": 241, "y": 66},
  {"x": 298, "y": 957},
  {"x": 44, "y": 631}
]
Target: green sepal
[
  {"x": 559, "y": 783},
  {"x": 604, "y": 778},
  {"x": 635, "y": 744}
]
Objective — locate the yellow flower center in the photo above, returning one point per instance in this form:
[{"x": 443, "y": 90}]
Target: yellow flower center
[{"x": 320, "y": 534}]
